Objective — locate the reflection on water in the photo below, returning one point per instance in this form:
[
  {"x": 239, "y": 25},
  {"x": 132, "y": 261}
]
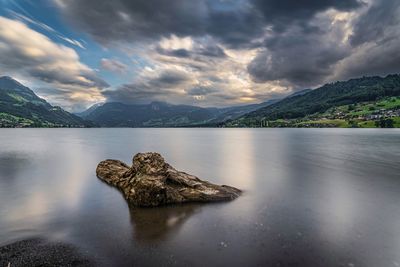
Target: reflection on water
[
  {"x": 313, "y": 197},
  {"x": 157, "y": 224},
  {"x": 11, "y": 164}
]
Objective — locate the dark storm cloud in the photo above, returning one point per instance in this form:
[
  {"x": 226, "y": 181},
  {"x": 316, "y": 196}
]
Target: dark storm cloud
[
  {"x": 376, "y": 59},
  {"x": 133, "y": 93},
  {"x": 302, "y": 59},
  {"x": 235, "y": 23},
  {"x": 376, "y": 42},
  {"x": 184, "y": 53},
  {"x": 281, "y": 13},
  {"x": 301, "y": 49},
  {"x": 237, "y": 28},
  {"x": 141, "y": 20},
  {"x": 212, "y": 51},
  {"x": 315, "y": 51},
  {"x": 128, "y": 20},
  {"x": 298, "y": 43},
  {"x": 50, "y": 75},
  {"x": 201, "y": 91},
  {"x": 169, "y": 78},
  {"x": 372, "y": 25},
  {"x": 209, "y": 50},
  {"x": 148, "y": 88}
]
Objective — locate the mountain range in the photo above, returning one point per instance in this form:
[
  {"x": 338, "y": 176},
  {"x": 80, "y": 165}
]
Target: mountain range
[
  {"x": 21, "y": 107},
  {"x": 161, "y": 114}
]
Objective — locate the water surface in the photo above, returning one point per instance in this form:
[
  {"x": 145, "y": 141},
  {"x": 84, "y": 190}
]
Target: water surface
[{"x": 312, "y": 197}]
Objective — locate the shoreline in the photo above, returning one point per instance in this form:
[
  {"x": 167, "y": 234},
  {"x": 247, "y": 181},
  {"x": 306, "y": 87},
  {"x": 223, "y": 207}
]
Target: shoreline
[{"x": 41, "y": 252}]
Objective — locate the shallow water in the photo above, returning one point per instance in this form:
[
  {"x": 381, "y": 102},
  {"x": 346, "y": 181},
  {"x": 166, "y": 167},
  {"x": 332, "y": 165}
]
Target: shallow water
[{"x": 312, "y": 197}]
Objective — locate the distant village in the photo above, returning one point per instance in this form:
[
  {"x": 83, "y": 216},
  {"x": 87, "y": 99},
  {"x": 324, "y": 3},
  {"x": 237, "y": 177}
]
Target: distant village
[
  {"x": 375, "y": 115},
  {"x": 336, "y": 118}
]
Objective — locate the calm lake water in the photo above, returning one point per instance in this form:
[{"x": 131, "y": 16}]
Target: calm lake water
[{"x": 312, "y": 197}]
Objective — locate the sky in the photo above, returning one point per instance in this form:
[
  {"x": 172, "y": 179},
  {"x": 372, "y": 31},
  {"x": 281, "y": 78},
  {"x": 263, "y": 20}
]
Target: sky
[{"x": 76, "y": 53}]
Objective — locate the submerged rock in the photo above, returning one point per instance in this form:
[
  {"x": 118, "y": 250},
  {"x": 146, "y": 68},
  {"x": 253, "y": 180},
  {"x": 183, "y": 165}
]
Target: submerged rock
[{"x": 150, "y": 181}]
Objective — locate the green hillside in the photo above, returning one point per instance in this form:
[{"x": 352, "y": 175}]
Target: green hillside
[
  {"x": 21, "y": 107},
  {"x": 354, "y": 103}
]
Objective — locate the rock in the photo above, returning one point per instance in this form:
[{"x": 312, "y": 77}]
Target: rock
[{"x": 150, "y": 182}]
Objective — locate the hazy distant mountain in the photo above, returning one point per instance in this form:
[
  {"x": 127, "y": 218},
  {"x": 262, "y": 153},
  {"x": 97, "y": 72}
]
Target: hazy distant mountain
[
  {"x": 21, "y": 107},
  {"x": 89, "y": 110},
  {"x": 115, "y": 114},
  {"x": 231, "y": 113},
  {"x": 329, "y": 95},
  {"x": 161, "y": 114}
]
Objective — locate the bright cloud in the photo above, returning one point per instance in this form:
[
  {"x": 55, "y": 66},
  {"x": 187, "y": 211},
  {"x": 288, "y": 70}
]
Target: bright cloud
[{"x": 27, "y": 52}]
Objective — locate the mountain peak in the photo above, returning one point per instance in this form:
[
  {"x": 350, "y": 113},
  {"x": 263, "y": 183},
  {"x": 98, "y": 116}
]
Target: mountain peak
[
  {"x": 6, "y": 77},
  {"x": 7, "y": 81},
  {"x": 10, "y": 79},
  {"x": 17, "y": 90}
]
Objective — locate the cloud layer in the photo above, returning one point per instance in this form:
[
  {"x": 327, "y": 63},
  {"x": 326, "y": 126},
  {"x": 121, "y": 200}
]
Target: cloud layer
[
  {"x": 28, "y": 53},
  {"x": 210, "y": 52},
  {"x": 230, "y": 51},
  {"x": 113, "y": 65}
]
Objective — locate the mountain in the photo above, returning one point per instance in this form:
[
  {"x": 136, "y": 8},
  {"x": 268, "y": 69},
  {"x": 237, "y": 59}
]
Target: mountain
[
  {"x": 301, "y": 92},
  {"x": 330, "y": 95},
  {"x": 161, "y": 114},
  {"x": 231, "y": 113},
  {"x": 115, "y": 114},
  {"x": 21, "y": 107},
  {"x": 13, "y": 92},
  {"x": 89, "y": 110}
]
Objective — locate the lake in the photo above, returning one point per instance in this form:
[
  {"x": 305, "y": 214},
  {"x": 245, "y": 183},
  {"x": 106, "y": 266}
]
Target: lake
[{"x": 312, "y": 197}]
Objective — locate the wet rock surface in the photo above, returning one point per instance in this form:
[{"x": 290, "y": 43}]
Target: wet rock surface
[{"x": 150, "y": 182}]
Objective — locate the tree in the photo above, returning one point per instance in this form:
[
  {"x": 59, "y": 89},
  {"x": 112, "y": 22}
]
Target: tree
[
  {"x": 389, "y": 123},
  {"x": 384, "y": 123}
]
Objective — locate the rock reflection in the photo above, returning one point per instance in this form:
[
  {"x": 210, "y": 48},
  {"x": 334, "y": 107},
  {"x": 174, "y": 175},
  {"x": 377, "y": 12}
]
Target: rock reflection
[{"x": 157, "y": 224}]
